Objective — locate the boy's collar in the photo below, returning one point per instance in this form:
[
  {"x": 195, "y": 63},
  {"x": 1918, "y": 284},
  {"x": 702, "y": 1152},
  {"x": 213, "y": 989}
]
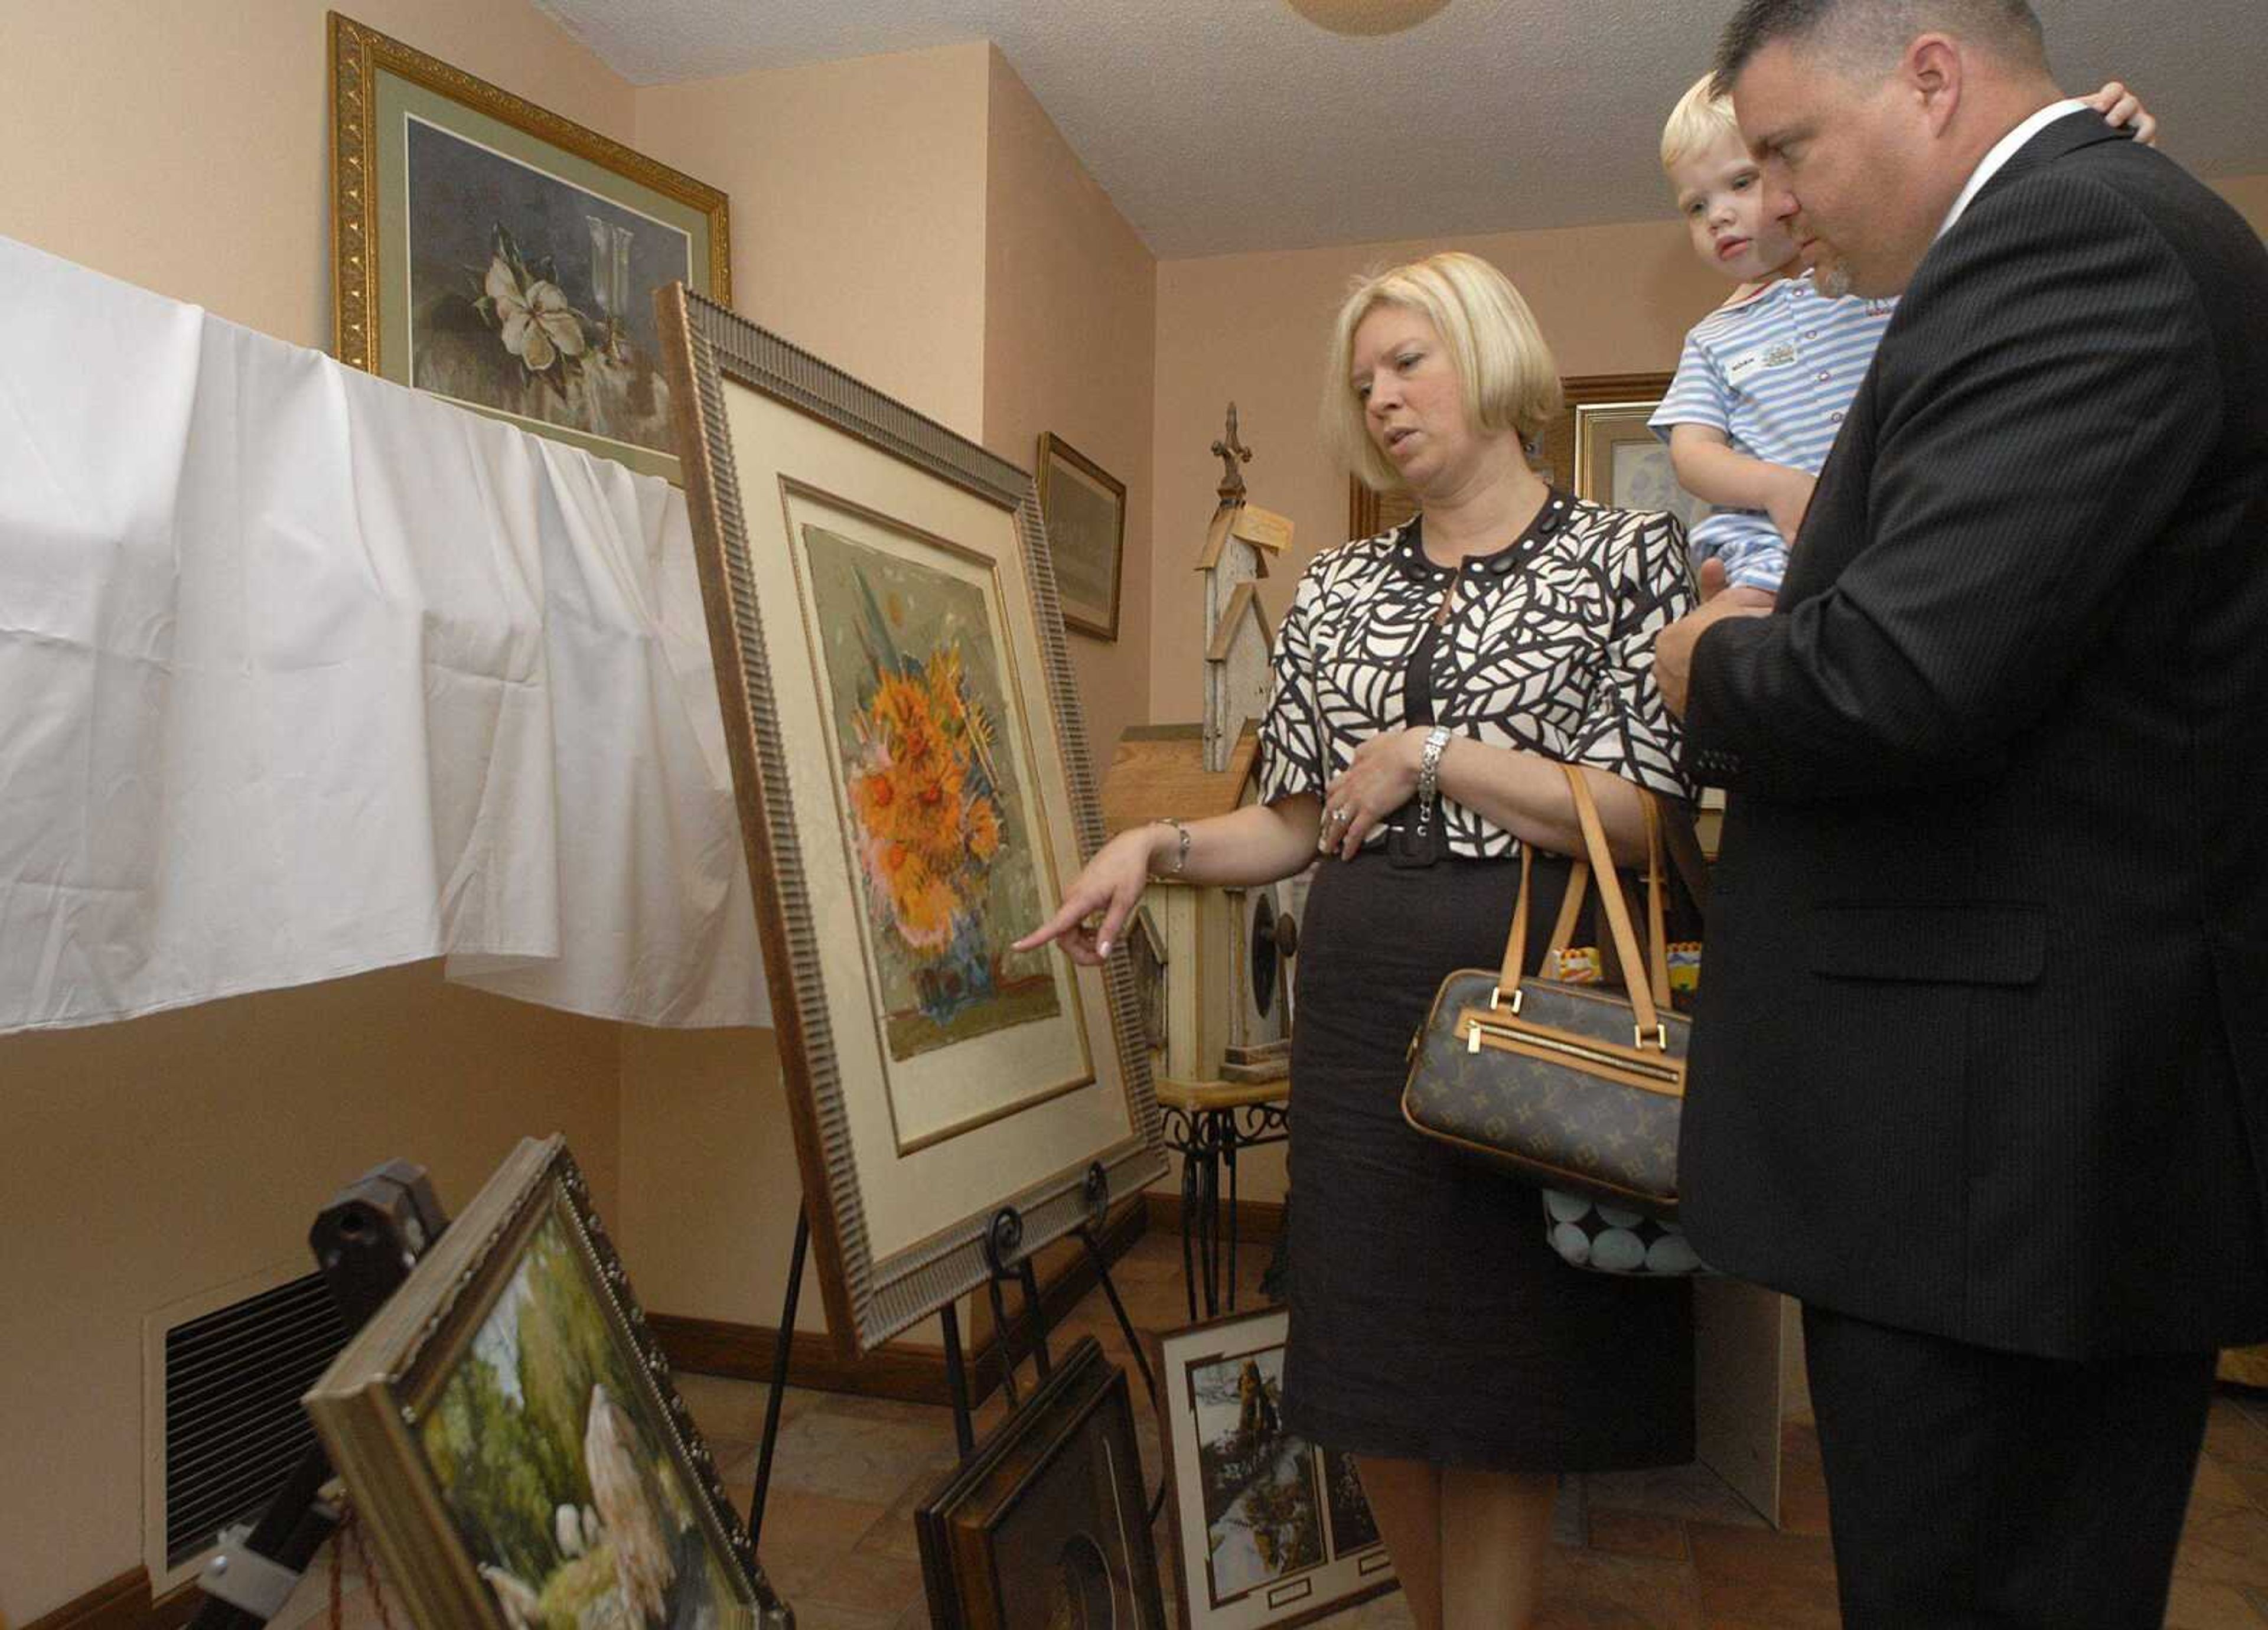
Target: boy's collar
[{"x": 1783, "y": 274}]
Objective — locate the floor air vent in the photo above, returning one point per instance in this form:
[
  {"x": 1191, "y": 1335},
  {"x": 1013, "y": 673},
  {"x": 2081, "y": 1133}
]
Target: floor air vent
[{"x": 233, "y": 1426}]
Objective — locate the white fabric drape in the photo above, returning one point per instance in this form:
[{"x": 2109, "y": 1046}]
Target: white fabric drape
[{"x": 304, "y": 674}]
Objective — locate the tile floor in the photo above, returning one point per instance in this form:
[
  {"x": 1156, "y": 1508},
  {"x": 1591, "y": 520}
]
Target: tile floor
[{"x": 1665, "y": 1550}]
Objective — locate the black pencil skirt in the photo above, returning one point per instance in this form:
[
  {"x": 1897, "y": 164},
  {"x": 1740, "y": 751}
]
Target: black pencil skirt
[{"x": 1429, "y": 1318}]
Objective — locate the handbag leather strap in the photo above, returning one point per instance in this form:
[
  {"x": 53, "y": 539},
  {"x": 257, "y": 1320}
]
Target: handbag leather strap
[{"x": 1645, "y": 1006}]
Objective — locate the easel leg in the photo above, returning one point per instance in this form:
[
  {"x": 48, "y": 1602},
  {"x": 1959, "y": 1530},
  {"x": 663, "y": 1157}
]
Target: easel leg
[
  {"x": 780, "y": 1349},
  {"x": 956, "y": 1379},
  {"x": 1189, "y": 1224},
  {"x": 1133, "y": 1344},
  {"x": 1030, "y": 1280},
  {"x": 1003, "y": 1345}
]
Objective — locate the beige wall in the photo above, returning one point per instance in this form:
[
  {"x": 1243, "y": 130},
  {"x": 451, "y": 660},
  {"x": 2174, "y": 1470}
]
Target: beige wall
[
  {"x": 1070, "y": 337},
  {"x": 858, "y": 229},
  {"x": 185, "y": 147}
]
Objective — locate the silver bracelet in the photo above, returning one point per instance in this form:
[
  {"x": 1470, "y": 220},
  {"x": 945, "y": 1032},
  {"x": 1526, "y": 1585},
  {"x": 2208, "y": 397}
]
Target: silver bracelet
[
  {"x": 1181, "y": 851},
  {"x": 1429, "y": 772}
]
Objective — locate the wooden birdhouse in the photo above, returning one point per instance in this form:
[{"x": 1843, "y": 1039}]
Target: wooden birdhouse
[{"x": 1217, "y": 968}]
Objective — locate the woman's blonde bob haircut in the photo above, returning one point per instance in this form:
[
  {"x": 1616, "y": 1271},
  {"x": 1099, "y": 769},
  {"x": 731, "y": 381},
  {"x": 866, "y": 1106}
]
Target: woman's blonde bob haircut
[{"x": 1509, "y": 379}]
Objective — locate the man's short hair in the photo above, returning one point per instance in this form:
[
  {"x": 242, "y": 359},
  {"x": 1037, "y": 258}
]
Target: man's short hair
[
  {"x": 1868, "y": 36},
  {"x": 1703, "y": 116},
  {"x": 1510, "y": 380}
]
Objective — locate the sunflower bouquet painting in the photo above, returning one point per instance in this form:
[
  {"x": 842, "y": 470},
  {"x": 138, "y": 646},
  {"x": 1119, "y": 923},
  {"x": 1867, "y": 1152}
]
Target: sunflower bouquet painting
[{"x": 931, "y": 791}]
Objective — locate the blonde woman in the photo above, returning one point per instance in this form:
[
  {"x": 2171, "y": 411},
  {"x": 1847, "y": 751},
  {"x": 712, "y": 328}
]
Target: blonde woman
[{"x": 1429, "y": 683}]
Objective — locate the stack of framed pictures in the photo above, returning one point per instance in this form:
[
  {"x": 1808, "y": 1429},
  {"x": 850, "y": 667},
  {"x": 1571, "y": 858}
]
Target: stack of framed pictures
[
  {"x": 510, "y": 1436},
  {"x": 1045, "y": 1527},
  {"x": 1268, "y": 1529},
  {"x": 916, "y": 794}
]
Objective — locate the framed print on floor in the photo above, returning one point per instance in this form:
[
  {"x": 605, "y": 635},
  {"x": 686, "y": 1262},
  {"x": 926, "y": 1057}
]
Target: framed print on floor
[
  {"x": 1046, "y": 1525},
  {"x": 511, "y": 1439},
  {"x": 1085, "y": 508},
  {"x": 494, "y": 253},
  {"x": 1268, "y": 1529},
  {"x": 916, "y": 793}
]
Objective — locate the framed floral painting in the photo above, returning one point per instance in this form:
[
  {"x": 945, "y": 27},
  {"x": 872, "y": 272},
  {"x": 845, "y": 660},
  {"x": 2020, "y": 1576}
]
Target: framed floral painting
[
  {"x": 511, "y": 1438},
  {"x": 492, "y": 252},
  {"x": 916, "y": 794}
]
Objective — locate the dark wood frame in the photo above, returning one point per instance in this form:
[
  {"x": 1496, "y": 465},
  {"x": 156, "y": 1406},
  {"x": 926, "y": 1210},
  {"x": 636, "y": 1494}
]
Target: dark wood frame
[
  {"x": 1055, "y": 450},
  {"x": 960, "y": 1526}
]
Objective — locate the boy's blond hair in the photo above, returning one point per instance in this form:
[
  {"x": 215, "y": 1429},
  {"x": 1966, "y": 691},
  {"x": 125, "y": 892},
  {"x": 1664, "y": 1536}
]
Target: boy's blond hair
[
  {"x": 1510, "y": 380},
  {"x": 1702, "y": 115}
]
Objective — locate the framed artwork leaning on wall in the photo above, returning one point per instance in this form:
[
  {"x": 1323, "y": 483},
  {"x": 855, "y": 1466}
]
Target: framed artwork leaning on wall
[
  {"x": 915, "y": 791},
  {"x": 503, "y": 256},
  {"x": 511, "y": 1438}
]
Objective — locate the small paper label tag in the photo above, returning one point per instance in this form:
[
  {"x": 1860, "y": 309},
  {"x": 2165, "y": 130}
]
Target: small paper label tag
[
  {"x": 1779, "y": 356},
  {"x": 1263, "y": 529}
]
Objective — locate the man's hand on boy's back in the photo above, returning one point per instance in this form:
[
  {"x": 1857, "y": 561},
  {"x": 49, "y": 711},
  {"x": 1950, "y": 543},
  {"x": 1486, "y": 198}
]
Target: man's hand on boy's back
[{"x": 1672, "y": 647}]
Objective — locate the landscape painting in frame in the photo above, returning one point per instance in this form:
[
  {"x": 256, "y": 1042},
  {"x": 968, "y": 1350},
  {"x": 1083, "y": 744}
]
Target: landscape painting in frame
[
  {"x": 571, "y": 1509},
  {"x": 1086, "y": 510},
  {"x": 934, "y": 792},
  {"x": 495, "y": 252},
  {"x": 511, "y": 1438},
  {"x": 1270, "y": 1529}
]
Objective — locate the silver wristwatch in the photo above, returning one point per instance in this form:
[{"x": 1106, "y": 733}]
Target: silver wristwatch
[{"x": 1429, "y": 773}]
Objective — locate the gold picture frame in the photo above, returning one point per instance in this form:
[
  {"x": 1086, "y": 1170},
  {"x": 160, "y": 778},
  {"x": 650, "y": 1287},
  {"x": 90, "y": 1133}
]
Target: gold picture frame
[
  {"x": 915, "y": 791},
  {"x": 495, "y": 252},
  {"x": 1085, "y": 508},
  {"x": 510, "y": 1435},
  {"x": 1555, "y": 455}
]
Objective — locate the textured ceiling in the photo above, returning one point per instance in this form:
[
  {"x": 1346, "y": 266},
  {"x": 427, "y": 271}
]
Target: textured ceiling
[{"x": 1224, "y": 126}]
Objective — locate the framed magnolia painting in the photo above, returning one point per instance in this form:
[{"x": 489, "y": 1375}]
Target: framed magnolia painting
[
  {"x": 916, "y": 793},
  {"x": 492, "y": 252}
]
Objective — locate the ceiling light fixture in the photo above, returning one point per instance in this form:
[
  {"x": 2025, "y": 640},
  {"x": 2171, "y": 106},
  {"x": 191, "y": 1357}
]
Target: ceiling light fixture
[{"x": 1367, "y": 16}]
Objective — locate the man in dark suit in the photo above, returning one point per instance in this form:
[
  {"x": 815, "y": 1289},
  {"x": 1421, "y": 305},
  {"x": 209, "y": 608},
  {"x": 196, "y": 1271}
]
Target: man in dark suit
[{"x": 1980, "y": 1071}]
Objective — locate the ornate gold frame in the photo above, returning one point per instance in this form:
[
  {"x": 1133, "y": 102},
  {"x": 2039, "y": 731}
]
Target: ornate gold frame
[
  {"x": 357, "y": 54},
  {"x": 368, "y": 1406},
  {"x": 1370, "y": 513}
]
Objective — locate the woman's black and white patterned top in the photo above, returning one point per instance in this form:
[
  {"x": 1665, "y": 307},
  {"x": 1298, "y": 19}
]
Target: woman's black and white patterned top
[{"x": 1548, "y": 647}]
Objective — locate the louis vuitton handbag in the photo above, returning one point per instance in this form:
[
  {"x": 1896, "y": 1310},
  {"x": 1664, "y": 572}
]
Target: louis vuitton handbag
[{"x": 1571, "y": 1085}]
